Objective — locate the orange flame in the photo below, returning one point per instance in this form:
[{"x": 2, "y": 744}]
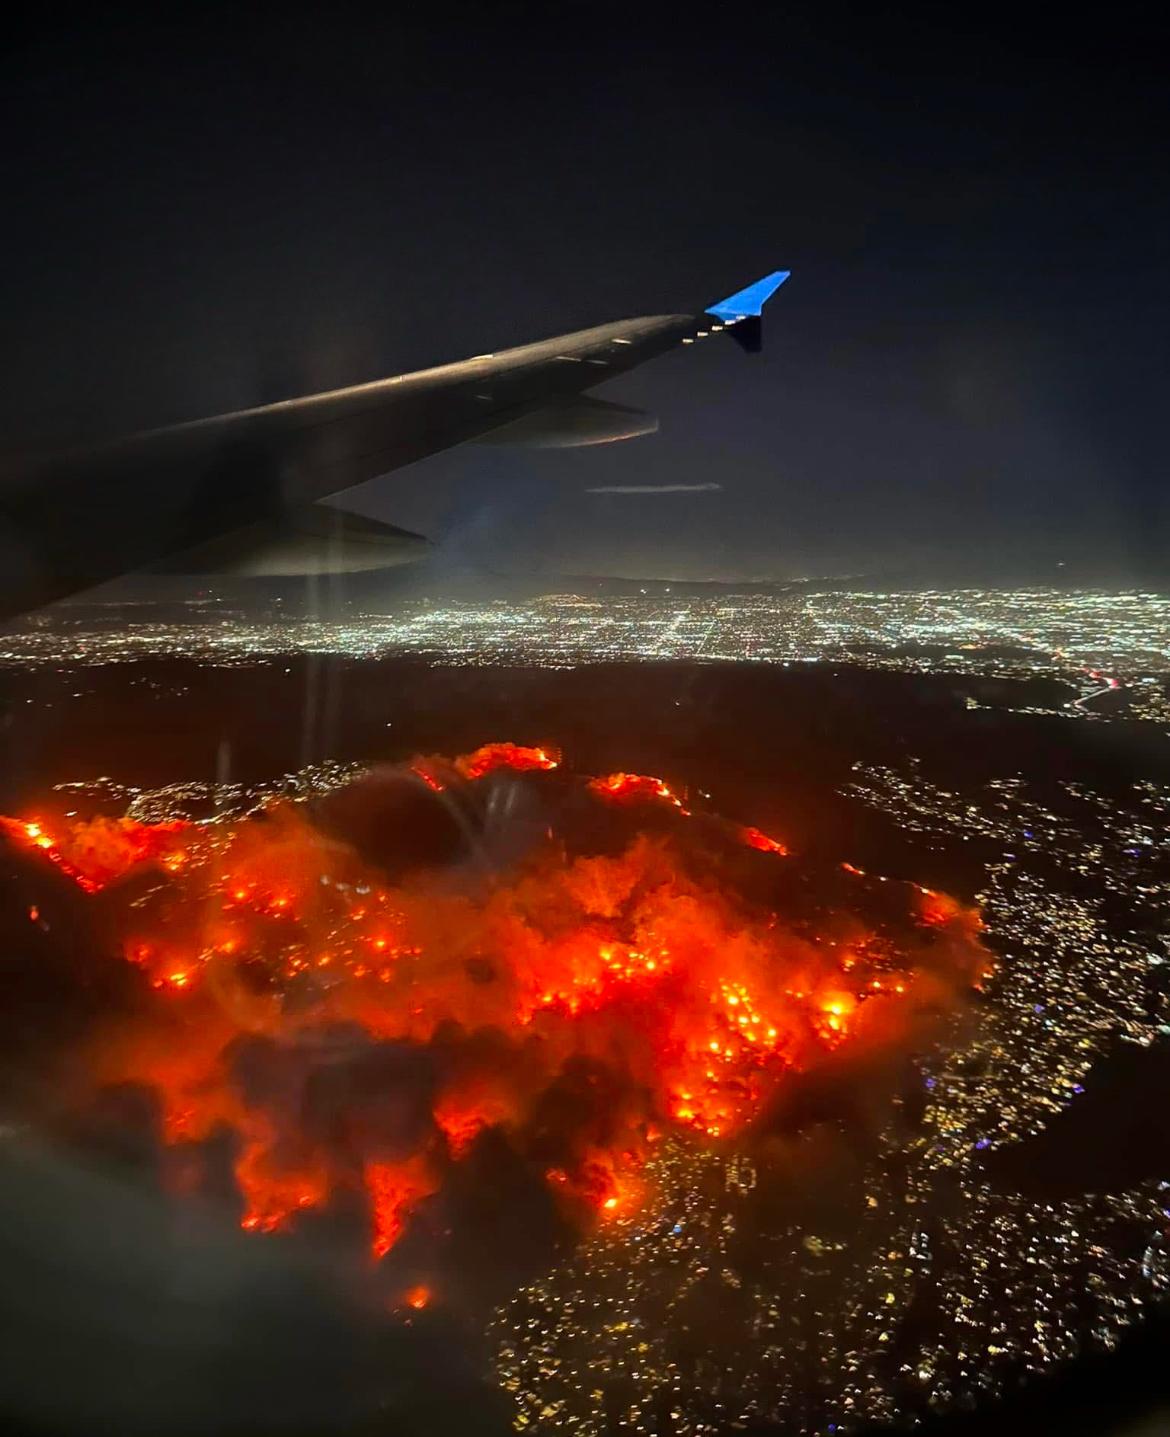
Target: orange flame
[
  {"x": 97, "y": 852},
  {"x": 504, "y": 755},
  {"x": 635, "y": 787},
  {"x": 394, "y": 1189},
  {"x": 641, "y": 996}
]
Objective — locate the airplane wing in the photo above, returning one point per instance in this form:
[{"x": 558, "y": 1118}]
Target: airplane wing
[{"x": 238, "y": 493}]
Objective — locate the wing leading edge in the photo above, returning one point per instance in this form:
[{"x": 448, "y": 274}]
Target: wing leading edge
[{"x": 72, "y": 520}]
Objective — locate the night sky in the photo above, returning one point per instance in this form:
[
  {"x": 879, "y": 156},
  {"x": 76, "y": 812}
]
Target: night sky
[{"x": 969, "y": 359}]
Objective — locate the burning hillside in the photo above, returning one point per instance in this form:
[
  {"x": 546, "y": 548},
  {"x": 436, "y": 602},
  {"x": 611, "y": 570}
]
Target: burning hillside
[{"x": 353, "y": 1026}]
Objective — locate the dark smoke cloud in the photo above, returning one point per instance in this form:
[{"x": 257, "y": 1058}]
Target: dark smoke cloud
[{"x": 123, "y": 1312}]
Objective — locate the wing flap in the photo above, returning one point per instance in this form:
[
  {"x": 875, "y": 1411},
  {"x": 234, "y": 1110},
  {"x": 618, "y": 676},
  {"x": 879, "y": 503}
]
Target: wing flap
[{"x": 304, "y": 540}]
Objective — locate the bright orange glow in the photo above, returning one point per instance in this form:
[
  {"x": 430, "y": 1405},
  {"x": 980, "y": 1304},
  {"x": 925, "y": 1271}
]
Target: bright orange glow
[
  {"x": 394, "y": 1189},
  {"x": 635, "y": 787},
  {"x": 461, "y": 1114},
  {"x": 626, "y": 985},
  {"x": 938, "y": 909},
  {"x": 615, "y": 1194},
  {"x": 417, "y": 1297},
  {"x": 504, "y": 755},
  {"x": 274, "y": 1195},
  {"x": 754, "y": 838},
  {"x": 97, "y": 852}
]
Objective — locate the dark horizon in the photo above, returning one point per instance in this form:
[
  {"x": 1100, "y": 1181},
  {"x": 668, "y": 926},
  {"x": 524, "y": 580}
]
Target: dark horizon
[{"x": 213, "y": 212}]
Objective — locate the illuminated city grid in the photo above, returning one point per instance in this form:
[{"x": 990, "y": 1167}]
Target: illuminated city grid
[
  {"x": 1095, "y": 641},
  {"x": 944, "y": 1288}
]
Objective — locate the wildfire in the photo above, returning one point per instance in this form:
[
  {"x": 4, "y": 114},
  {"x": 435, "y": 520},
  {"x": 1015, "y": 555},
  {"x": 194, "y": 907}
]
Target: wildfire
[
  {"x": 504, "y": 755},
  {"x": 97, "y": 852},
  {"x": 635, "y": 787},
  {"x": 394, "y": 1189},
  {"x": 436, "y": 785},
  {"x": 938, "y": 909},
  {"x": 579, "y": 1006},
  {"x": 271, "y": 1195}
]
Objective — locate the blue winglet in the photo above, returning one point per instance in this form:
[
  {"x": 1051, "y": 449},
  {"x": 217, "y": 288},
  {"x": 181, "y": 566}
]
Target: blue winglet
[{"x": 749, "y": 302}]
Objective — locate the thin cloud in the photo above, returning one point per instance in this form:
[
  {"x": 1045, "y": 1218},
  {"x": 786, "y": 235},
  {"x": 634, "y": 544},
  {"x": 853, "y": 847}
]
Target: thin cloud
[{"x": 654, "y": 489}]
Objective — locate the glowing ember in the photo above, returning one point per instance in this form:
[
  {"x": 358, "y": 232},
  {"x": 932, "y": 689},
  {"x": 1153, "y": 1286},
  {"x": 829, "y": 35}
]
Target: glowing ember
[
  {"x": 579, "y": 1007},
  {"x": 273, "y": 1197},
  {"x": 938, "y": 909},
  {"x": 635, "y": 787},
  {"x": 754, "y": 838},
  {"x": 97, "y": 852},
  {"x": 504, "y": 755},
  {"x": 435, "y": 785},
  {"x": 394, "y": 1189}
]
